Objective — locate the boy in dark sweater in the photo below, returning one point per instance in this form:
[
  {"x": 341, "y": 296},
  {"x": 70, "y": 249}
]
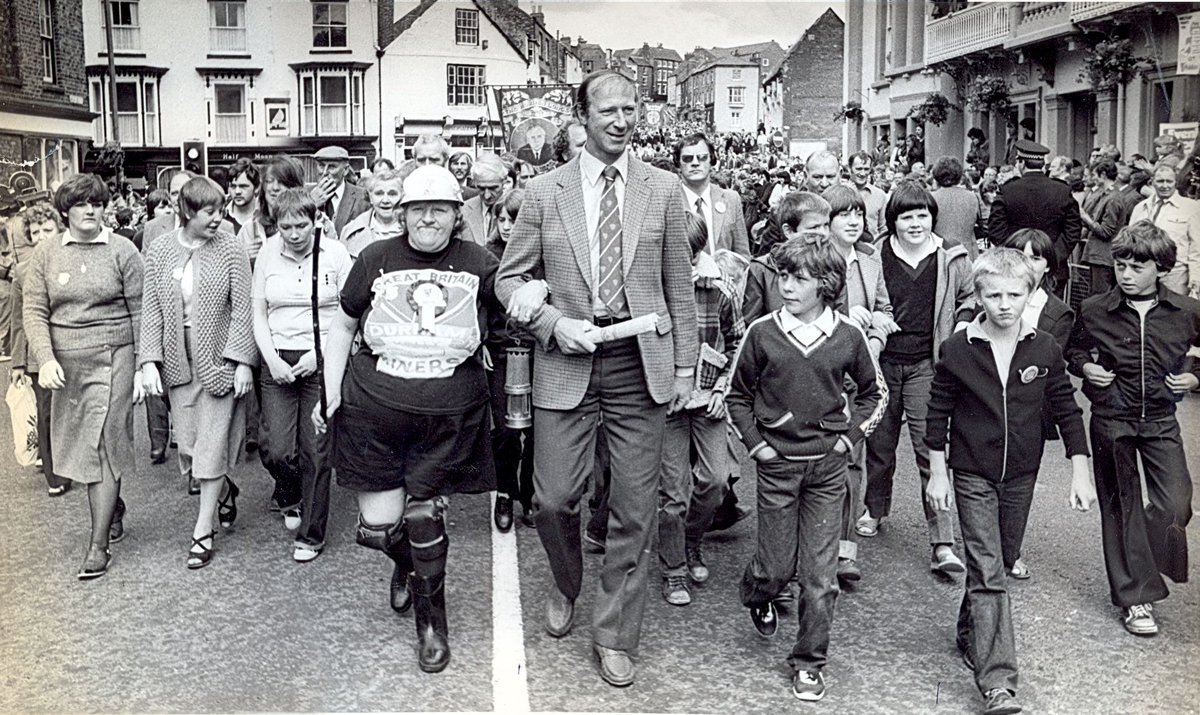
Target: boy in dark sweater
[
  {"x": 1130, "y": 345},
  {"x": 994, "y": 380},
  {"x": 786, "y": 402}
]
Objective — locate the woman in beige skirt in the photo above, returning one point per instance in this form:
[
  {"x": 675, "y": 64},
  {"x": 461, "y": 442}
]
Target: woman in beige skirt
[
  {"x": 197, "y": 326},
  {"x": 83, "y": 301}
]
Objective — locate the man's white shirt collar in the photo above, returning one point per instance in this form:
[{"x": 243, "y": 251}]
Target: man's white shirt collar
[
  {"x": 706, "y": 194},
  {"x": 592, "y": 168}
]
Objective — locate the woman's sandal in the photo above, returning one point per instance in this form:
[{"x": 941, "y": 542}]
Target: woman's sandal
[
  {"x": 1020, "y": 571},
  {"x": 200, "y": 559},
  {"x": 95, "y": 564},
  {"x": 227, "y": 506}
]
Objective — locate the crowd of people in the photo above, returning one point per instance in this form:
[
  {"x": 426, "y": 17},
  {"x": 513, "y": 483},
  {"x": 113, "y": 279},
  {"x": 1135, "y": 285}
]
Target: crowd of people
[{"x": 670, "y": 303}]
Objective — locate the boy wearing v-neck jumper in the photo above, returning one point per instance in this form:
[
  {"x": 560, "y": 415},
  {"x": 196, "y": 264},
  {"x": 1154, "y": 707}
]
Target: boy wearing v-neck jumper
[{"x": 990, "y": 386}]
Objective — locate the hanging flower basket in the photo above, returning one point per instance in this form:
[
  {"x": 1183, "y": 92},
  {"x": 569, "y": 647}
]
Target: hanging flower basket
[
  {"x": 852, "y": 112},
  {"x": 988, "y": 93},
  {"x": 934, "y": 110},
  {"x": 1110, "y": 63}
]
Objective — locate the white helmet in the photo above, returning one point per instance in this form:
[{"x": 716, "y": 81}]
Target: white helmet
[{"x": 431, "y": 183}]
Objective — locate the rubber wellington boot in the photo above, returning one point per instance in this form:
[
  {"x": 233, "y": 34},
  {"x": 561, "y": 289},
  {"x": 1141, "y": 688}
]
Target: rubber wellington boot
[
  {"x": 433, "y": 647},
  {"x": 401, "y": 552}
]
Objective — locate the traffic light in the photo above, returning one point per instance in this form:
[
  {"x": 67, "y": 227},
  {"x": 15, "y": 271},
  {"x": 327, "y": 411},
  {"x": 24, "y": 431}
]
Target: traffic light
[{"x": 193, "y": 157}]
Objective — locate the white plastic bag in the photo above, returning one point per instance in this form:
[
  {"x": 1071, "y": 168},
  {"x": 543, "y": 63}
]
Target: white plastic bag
[{"x": 22, "y": 409}]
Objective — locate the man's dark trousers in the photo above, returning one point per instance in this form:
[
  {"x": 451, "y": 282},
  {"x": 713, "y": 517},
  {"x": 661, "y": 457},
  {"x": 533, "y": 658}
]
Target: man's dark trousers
[{"x": 564, "y": 455}]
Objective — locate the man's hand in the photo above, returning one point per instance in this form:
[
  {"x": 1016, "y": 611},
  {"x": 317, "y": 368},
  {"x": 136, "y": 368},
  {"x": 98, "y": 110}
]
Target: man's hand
[
  {"x": 527, "y": 300},
  {"x": 50, "y": 375},
  {"x": 937, "y": 493},
  {"x": 766, "y": 454},
  {"x": 570, "y": 334},
  {"x": 1098, "y": 376},
  {"x": 322, "y": 191},
  {"x": 321, "y": 422},
  {"x": 683, "y": 391},
  {"x": 1182, "y": 384}
]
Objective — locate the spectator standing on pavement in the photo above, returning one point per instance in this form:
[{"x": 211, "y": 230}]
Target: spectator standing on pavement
[
  {"x": 1037, "y": 201},
  {"x": 41, "y": 223},
  {"x": 338, "y": 199},
  {"x": 82, "y": 328},
  {"x": 928, "y": 281},
  {"x": 1179, "y": 218},
  {"x": 632, "y": 218},
  {"x": 787, "y": 404},
  {"x": 197, "y": 325},
  {"x": 998, "y": 377},
  {"x": 295, "y": 456},
  {"x": 412, "y": 403},
  {"x": 958, "y": 212},
  {"x": 385, "y": 189},
  {"x": 1101, "y": 216},
  {"x": 1129, "y": 346}
]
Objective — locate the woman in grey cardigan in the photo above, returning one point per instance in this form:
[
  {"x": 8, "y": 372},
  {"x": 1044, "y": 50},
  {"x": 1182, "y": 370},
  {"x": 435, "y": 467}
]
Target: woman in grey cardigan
[
  {"x": 83, "y": 301},
  {"x": 197, "y": 326}
]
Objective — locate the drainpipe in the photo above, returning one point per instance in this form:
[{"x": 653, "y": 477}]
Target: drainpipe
[{"x": 1120, "y": 118}]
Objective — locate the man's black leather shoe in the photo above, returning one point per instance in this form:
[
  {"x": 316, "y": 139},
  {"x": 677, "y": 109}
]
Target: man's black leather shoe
[
  {"x": 503, "y": 515},
  {"x": 766, "y": 619}
]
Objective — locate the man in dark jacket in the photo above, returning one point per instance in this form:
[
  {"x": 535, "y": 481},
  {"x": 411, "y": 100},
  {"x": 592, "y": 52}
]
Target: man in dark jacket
[{"x": 1037, "y": 201}]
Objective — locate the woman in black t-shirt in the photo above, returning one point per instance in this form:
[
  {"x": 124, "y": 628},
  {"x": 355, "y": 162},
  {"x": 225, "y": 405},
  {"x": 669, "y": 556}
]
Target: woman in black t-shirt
[{"x": 412, "y": 405}]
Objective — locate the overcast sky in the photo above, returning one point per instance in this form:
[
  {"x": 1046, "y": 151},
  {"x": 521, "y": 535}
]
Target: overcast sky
[{"x": 622, "y": 24}]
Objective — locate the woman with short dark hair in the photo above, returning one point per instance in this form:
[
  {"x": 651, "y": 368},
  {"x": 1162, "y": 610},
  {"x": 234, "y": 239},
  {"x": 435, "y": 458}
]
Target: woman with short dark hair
[
  {"x": 83, "y": 304},
  {"x": 197, "y": 326},
  {"x": 959, "y": 214}
]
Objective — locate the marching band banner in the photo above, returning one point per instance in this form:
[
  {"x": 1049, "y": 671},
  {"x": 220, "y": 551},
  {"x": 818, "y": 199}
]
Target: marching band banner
[{"x": 531, "y": 116}]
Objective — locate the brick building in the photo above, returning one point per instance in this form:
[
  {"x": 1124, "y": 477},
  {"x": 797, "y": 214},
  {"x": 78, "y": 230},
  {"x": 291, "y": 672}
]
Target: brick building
[
  {"x": 44, "y": 118},
  {"x": 650, "y": 68},
  {"x": 804, "y": 92}
]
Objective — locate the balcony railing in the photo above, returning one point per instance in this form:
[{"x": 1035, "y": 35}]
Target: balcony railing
[
  {"x": 976, "y": 28},
  {"x": 1040, "y": 21},
  {"x": 1087, "y": 10},
  {"x": 126, "y": 38},
  {"x": 227, "y": 39},
  {"x": 229, "y": 128}
]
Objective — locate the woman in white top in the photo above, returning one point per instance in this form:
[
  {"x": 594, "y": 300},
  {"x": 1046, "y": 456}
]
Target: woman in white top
[{"x": 383, "y": 220}]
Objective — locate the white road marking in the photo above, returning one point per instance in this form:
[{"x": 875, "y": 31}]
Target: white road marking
[{"x": 510, "y": 689}]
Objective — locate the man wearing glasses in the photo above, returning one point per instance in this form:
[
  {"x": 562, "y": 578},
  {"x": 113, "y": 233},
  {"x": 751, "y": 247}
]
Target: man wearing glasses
[{"x": 719, "y": 210}]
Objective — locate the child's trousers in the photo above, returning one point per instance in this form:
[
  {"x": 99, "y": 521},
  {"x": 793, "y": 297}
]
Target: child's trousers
[
  {"x": 1141, "y": 544},
  {"x": 992, "y": 514},
  {"x": 799, "y": 521}
]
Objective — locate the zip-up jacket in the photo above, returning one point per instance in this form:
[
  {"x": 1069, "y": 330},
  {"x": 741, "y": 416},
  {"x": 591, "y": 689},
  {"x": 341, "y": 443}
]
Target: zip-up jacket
[
  {"x": 953, "y": 300},
  {"x": 1141, "y": 352},
  {"x": 995, "y": 429}
]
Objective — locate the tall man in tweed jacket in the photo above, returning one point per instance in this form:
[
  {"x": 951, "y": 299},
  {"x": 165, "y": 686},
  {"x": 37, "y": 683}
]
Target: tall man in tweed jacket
[{"x": 632, "y": 383}]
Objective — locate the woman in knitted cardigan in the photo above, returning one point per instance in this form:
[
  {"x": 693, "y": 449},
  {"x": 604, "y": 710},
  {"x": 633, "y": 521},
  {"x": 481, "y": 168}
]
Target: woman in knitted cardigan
[
  {"x": 83, "y": 301},
  {"x": 197, "y": 326}
]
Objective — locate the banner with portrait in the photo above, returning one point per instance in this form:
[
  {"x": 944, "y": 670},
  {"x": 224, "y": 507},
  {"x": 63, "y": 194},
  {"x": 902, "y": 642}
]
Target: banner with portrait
[{"x": 531, "y": 116}]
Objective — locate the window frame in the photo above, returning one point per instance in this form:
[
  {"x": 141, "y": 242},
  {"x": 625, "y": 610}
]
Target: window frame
[
  {"x": 330, "y": 25},
  {"x": 127, "y": 30},
  {"x": 311, "y": 101},
  {"x": 215, "y": 112},
  {"x": 216, "y": 30},
  {"x": 738, "y": 99},
  {"x": 46, "y": 19},
  {"x": 463, "y": 30},
  {"x": 456, "y": 92}
]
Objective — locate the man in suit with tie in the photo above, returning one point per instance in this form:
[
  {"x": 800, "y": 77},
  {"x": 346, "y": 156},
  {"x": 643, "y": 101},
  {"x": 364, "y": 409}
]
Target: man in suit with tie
[
  {"x": 341, "y": 201},
  {"x": 488, "y": 174},
  {"x": 718, "y": 210},
  {"x": 1036, "y": 201},
  {"x": 537, "y": 151},
  {"x": 607, "y": 232}
]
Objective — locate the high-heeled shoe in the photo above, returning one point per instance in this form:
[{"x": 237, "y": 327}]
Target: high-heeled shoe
[
  {"x": 227, "y": 505},
  {"x": 95, "y": 564},
  {"x": 203, "y": 557}
]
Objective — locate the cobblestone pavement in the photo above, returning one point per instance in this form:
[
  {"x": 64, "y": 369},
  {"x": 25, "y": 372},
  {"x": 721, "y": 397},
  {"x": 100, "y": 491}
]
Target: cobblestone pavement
[{"x": 256, "y": 632}]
